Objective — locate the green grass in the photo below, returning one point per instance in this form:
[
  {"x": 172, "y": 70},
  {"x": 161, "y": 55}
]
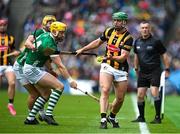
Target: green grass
[{"x": 80, "y": 114}]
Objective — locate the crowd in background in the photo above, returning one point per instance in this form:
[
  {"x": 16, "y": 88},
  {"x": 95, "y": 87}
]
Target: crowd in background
[
  {"x": 4, "y": 8},
  {"x": 87, "y": 19}
]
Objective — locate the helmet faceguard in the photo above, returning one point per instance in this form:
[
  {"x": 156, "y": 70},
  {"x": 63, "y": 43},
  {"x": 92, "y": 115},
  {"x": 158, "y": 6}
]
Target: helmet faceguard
[
  {"x": 3, "y": 25},
  {"x": 58, "y": 29},
  {"x": 120, "y": 16},
  {"x": 3, "y": 21},
  {"x": 46, "y": 20}
]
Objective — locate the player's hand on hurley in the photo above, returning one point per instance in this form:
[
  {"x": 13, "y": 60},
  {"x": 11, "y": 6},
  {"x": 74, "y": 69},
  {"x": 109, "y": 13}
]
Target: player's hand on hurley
[
  {"x": 79, "y": 51},
  {"x": 32, "y": 47},
  {"x": 73, "y": 84},
  {"x": 109, "y": 57}
]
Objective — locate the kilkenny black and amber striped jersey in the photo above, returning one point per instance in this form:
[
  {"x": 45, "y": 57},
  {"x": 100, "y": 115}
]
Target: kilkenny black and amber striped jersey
[
  {"x": 6, "y": 46},
  {"x": 115, "y": 43}
]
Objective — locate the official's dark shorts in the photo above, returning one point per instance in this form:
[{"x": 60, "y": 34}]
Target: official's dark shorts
[{"x": 153, "y": 78}]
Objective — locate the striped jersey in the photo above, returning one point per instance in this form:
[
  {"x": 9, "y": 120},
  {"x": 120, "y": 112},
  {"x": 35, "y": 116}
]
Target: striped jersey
[
  {"x": 114, "y": 44},
  {"x": 6, "y": 46}
]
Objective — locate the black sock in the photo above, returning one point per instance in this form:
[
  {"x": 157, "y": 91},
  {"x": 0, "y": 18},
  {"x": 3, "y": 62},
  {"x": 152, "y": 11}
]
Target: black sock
[
  {"x": 103, "y": 115},
  {"x": 141, "y": 106},
  {"x": 11, "y": 101},
  {"x": 157, "y": 104},
  {"x": 112, "y": 115}
]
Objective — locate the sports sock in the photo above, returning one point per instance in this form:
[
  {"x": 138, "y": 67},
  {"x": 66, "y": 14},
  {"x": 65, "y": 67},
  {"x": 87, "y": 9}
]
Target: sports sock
[
  {"x": 157, "y": 105},
  {"x": 103, "y": 115},
  {"x": 112, "y": 115},
  {"x": 53, "y": 99},
  {"x": 141, "y": 106},
  {"x": 39, "y": 104},
  {"x": 11, "y": 101}
]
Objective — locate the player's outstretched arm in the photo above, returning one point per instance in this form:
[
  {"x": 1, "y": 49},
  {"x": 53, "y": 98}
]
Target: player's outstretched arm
[{"x": 62, "y": 69}]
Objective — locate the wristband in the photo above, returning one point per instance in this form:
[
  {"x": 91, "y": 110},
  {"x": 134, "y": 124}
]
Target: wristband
[
  {"x": 167, "y": 69},
  {"x": 69, "y": 79}
]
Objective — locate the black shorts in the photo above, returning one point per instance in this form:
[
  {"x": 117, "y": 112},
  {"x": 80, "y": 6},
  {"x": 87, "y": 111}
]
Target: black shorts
[{"x": 153, "y": 78}]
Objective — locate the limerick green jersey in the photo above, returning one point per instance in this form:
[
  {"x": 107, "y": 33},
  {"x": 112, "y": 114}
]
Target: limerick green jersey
[
  {"x": 22, "y": 57},
  {"x": 46, "y": 46}
]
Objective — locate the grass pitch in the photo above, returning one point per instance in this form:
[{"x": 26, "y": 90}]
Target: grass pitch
[{"x": 80, "y": 114}]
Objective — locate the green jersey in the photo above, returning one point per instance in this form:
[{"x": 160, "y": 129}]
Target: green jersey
[
  {"x": 46, "y": 46},
  {"x": 22, "y": 57}
]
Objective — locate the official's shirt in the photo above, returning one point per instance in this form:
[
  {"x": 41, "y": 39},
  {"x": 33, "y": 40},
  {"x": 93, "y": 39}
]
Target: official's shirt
[{"x": 148, "y": 52}]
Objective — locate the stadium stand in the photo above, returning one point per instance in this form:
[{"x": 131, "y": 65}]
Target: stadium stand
[{"x": 86, "y": 19}]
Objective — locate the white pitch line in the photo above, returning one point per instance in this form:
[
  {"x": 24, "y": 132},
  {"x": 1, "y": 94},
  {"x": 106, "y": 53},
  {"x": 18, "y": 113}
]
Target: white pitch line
[{"x": 142, "y": 126}]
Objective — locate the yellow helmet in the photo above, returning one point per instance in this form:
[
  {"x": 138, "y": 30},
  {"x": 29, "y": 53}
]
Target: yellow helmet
[
  {"x": 48, "y": 18},
  {"x": 58, "y": 26}
]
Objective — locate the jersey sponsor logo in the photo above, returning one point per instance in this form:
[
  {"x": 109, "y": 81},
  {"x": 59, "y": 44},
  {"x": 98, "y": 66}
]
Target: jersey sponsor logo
[
  {"x": 113, "y": 48},
  {"x": 3, "y": 48}
]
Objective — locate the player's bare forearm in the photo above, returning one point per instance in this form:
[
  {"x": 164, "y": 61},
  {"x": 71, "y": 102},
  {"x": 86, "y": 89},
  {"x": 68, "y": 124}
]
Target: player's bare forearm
[
  {"x": 63, "y": 71},
  {"x": 29, "y": 42},
  {"x": 124, "y": 55},
  {"x": 61, "y": 68},
  {"x": 92, "y": 45}
]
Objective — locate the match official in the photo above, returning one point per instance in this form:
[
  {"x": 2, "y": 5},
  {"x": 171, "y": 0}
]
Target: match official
[{"x": 147, "y": 63}]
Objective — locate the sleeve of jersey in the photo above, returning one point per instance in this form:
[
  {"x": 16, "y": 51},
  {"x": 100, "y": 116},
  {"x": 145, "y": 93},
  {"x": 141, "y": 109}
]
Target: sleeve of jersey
[
  {"x": 103, "y": 35},
  {"x": 37, "y": 32},
  {"x": 128, "y": 44},
  {"x": 160, "y": 47}
]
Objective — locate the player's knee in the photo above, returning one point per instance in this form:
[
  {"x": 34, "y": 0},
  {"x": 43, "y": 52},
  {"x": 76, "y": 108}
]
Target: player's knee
[
  {"x": 140, "y": 95},
  {"x": 46, "y": 93},
  {"x": 11, "y": 83},
  {"x": 33, "y": 96},
  {"x": 105, "y": 93},
  {"x": 60, "y": 87},
  {"x": 120, "y": 99}
]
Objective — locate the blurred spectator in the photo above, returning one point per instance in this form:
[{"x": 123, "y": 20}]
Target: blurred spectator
[{"x": 4, "y": 8}]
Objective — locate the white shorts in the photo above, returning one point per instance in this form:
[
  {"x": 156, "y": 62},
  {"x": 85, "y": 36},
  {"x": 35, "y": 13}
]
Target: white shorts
[
  {"x": 118, "y": 75},
  {"x": 33, "y": 74},
  {"x": 18, "y": 69},
  {"x": 5, "y": 69}
]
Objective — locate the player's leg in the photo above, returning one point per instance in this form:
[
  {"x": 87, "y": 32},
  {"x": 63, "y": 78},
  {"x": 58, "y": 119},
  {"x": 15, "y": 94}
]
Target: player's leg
[
  {"x": 33, "y": 95},
  {"x": 0, "y": 80},
  {"x": 44, "y": 79},
  {"x": 120, "y": 90},
  {"x": 105, "y": 85},
  {"x": 57, "y": 86},
  {"x": 11, "y": 79}
]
